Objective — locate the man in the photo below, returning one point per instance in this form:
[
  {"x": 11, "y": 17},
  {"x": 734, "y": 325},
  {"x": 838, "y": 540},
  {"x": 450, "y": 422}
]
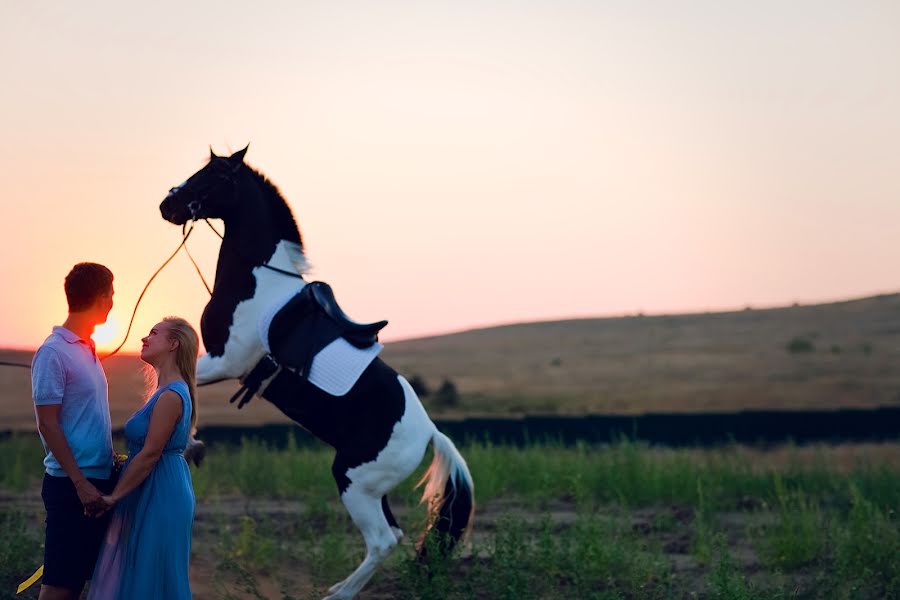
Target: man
[{"x": 70, "y": 396}]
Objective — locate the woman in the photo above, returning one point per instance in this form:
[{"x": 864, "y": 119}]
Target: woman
[{"x": 146, "y": 550}]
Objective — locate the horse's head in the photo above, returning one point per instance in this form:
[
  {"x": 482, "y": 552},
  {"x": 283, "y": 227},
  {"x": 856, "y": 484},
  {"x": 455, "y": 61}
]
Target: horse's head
[{"x": 211, "y": 192}]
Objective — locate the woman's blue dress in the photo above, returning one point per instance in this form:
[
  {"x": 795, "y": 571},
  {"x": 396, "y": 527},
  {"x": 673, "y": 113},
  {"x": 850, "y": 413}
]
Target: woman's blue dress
[{"x": 147, "y": 547}]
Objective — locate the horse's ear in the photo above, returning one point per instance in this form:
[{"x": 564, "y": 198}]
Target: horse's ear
[
  {"x": 237, "y": 159},
  {"x": 212, "y": 154}
]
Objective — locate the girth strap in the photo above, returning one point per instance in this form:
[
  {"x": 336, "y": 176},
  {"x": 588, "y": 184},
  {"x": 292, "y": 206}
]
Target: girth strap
[{"x": 264, "y": 369}]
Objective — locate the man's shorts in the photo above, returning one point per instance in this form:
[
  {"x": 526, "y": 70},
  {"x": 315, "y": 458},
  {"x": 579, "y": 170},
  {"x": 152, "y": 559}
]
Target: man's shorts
[{"x": 72, "y": 540}]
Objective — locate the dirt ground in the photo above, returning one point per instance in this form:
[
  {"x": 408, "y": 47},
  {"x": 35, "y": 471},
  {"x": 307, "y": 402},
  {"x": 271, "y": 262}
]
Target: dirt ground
[
  {"x": 676, "y": 542},
  {"x": 288, "y": 580},
  {"x": 209, "y": 580}
]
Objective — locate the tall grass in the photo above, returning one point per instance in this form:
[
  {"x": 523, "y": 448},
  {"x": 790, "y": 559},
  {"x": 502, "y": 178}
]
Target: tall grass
[
  {"x": 20, "y": 552},
  {"x": 626, "y": 473},
  {"x": 799, "y": 536},
  {"x": 22, "y": 459},
  {"x": 812, "y": 515},
  {"x": 867, "y": 549}
]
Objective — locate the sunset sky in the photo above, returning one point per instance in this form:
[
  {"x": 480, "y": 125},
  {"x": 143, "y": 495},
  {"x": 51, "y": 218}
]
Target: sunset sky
[{"x": 461, "y": 164}]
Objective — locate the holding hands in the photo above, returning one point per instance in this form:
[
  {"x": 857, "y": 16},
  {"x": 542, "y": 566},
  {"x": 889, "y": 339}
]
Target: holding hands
[
  {"x": 94, "y": 504},
  {"x": 106, "y": 503},
  {"x": 98, "y": 507}
]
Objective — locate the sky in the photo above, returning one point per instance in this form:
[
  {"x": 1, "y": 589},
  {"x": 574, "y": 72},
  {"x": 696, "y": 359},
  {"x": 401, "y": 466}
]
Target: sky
[{"x": 460, "y": 164}]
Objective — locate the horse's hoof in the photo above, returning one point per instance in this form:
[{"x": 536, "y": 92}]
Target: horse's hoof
[{"x": 195, "y": 451}]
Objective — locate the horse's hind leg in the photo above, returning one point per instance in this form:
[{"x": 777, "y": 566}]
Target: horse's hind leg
[
  {"x": 369, "y": 516},
  {"x": 398, "y": 533}
]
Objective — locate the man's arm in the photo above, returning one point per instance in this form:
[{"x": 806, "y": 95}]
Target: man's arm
[
  {"x": 48, "y": 385},
  {"x": 51, "y": 430}
]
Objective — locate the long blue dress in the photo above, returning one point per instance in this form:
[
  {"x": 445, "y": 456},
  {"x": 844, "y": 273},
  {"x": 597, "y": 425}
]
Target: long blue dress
[{"x": 147, "y": 547}]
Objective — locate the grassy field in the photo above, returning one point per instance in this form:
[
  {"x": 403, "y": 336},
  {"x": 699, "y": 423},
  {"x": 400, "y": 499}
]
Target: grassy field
[
  {"x": 618, "y": 521},
  {"x": 844, "y": 354}
]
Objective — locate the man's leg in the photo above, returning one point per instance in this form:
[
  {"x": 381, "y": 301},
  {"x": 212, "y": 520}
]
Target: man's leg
[
  {"x": 63, "y": 553},
  {"x": 51, "y": 592},
  {"x": 95, "y": 529}
]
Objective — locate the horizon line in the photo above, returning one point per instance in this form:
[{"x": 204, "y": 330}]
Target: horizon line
[{"x": 593, "y": 317}]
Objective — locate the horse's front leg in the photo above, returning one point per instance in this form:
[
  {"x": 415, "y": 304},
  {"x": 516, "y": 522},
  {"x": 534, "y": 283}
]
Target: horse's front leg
[{"x": 211, "y": 369}]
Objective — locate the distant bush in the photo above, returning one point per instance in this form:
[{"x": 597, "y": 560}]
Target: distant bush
[
  {"x": 800, "y": 345},
  {"x": 866, "y": 348},
  {"x": 447, "y": 394},
  {"x": 556, "y": 362},
  {"x": 419, "y": 386},
  {"x": 835, "y": 349}
]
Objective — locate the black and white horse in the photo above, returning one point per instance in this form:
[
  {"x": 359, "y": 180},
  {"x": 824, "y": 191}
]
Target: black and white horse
[{"x": 375, "y": 421}]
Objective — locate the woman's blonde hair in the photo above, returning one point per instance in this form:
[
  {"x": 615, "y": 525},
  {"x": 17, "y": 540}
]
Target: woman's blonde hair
[{"x": 186, "y": 358}]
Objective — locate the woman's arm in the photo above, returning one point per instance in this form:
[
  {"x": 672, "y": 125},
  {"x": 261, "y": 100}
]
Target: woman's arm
[{"x": 165, "y": 416}]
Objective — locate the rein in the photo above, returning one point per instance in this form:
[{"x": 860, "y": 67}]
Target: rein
[
  {"x": 265, "y": 265},
  {"x": 194, "y": 207},
  {"x": 14, "y": 364},
  {"x": 184, "y": 240}
]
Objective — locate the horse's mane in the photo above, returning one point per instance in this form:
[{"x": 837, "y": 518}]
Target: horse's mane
[{"x": 281, "y": 212}]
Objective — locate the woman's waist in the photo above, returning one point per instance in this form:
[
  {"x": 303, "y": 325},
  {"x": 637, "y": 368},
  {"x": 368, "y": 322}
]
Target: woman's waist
[{"x": 134, "y": 450}]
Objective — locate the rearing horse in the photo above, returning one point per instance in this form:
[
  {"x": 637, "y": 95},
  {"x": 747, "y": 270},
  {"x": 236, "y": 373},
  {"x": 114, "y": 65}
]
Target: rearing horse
[{"x": 378, "y": 426}]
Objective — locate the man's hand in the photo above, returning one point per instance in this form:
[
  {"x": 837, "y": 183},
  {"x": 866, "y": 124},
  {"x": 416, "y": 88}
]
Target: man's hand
[
  {"x": 89, "y": 496},
  {"x": 105, "y": 504}
]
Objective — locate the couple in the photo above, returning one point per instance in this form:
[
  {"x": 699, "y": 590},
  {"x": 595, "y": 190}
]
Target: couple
[{"x": 131, "y": 531}]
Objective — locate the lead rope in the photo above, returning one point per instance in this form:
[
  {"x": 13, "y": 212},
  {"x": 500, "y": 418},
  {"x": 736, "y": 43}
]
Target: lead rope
[
  {"x": 196, "y": 266},
  {"x": 184, "y": 239},
  {"x": 264, "y": 265}
]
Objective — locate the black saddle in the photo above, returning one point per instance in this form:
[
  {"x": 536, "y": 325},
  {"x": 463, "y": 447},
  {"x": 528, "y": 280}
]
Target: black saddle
[
  {"x": 361, "y": 335},
  {"x": 310, "y": 321}
]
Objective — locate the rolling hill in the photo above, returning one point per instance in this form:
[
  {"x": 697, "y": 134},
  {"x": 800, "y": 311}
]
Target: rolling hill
[{"x": 844, "y": 354}]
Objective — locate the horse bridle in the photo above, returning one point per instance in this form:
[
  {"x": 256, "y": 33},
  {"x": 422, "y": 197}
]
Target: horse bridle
[{"x": 194, "y": 207}]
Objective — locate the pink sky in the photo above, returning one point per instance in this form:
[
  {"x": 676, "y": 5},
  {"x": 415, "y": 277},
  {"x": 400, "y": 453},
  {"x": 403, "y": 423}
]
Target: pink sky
[{"x": 462, "y": 164}]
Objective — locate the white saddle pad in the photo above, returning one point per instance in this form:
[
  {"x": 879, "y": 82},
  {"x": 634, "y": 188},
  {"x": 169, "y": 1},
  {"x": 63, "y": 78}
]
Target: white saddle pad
[{"x": 337, "y": 367}]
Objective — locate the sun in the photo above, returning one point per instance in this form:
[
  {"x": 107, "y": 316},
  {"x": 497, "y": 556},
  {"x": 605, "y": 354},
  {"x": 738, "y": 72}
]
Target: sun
[{"x": 106, "y": 334}]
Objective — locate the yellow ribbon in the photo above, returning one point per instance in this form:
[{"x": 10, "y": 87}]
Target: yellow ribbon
[{"x": 30, "y": 581}]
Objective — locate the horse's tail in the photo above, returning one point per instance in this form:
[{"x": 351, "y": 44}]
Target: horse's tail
[{"x": 449, "y": 493}]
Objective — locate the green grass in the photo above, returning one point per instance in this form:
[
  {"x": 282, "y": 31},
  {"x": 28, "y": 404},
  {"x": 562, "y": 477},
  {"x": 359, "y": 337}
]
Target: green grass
[
  {"x": 799, "y": 536},
  {"x": 867, "y": 548},
  {"x": 599, "y": 558},
  {"x": 618, "y": 521},
  {"x": 725, "y": 582},
  {"x": 22, "y": 457},
  {"x": 21, "y": 550},
  {"x": 625, "y": 473}
]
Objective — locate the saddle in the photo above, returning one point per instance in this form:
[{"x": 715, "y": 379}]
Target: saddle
[{"x": 307, "y": 323}]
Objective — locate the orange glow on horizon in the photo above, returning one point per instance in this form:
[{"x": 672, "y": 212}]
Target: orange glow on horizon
[{"x": 108, "y": 335}]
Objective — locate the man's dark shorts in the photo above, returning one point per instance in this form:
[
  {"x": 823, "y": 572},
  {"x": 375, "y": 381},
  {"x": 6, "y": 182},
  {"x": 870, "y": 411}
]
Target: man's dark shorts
[{"x": 73, "y": 540}]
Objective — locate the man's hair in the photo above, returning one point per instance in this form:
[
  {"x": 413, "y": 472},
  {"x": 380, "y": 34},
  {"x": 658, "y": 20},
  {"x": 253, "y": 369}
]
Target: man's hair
[{"x": 85, "y": 283}]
